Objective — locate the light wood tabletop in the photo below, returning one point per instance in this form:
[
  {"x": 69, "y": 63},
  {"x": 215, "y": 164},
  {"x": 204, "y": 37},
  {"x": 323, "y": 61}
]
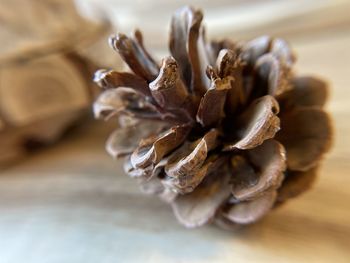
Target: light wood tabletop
[{"x": 72, "y": 203}]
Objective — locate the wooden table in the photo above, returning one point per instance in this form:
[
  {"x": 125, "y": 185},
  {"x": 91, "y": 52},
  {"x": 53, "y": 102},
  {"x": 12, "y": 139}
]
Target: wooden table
[{"x": 72, "y": 203}]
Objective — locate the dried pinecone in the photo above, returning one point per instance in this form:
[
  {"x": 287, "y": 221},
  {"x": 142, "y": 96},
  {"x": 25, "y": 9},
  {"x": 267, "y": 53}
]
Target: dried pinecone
[{"x": 223, "y": 131}]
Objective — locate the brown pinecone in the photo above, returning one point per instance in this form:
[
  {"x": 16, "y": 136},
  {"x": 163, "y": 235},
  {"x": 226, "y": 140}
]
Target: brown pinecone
[{"x": 223, "y": 131}]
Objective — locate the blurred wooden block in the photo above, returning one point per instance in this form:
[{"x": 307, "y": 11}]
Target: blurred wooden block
[
  {"x": 40, "y": 88},
  {"x": 34, "y": 28},
  {"x": 46, "y": 70},
  {"x": 39, "y": 99}
]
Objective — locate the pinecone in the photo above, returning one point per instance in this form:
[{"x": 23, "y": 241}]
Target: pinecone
[{"x": 223, "y": 130}]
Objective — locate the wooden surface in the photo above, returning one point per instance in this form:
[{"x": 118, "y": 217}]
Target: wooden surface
[
  {"x": 72, "y": 203},
  {"x": 238, "y": 19}
]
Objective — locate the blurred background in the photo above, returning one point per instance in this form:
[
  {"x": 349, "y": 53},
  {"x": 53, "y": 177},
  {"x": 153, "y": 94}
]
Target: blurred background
[{"x": 63, "y": 199}]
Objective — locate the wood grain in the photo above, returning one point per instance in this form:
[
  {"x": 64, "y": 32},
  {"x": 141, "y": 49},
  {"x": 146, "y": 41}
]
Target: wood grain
[{"x": 72, "y": 203}]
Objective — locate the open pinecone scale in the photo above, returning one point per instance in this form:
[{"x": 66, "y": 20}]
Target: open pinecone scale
[{"x": 223, "y": 131}]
